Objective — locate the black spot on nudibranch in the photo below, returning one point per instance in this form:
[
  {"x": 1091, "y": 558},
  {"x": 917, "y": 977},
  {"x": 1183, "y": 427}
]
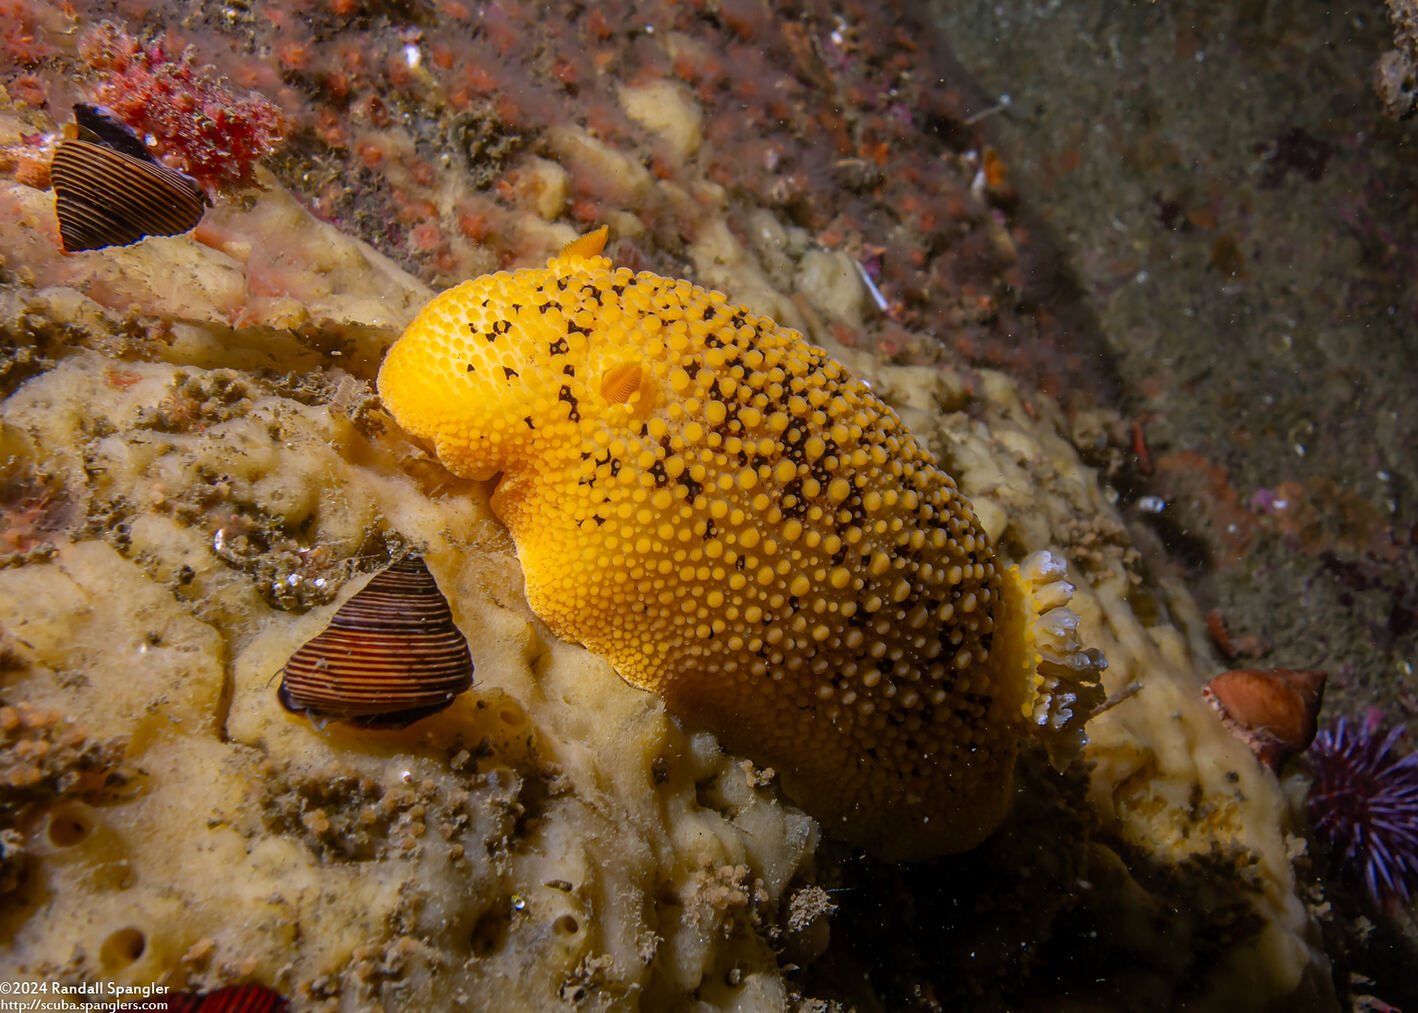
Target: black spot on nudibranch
[
  {"x": 528, "y": 419},
  {"x": 691, "y": 487},
  {"x": 559, "y": 347},
  {"x": 470, "y": 368},
  {"x": 509, "y": 372},
  {"x": 574, "y": 414}
]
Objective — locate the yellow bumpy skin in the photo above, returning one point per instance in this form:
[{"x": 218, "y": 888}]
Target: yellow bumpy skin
[{"x": 735, "y": 523}]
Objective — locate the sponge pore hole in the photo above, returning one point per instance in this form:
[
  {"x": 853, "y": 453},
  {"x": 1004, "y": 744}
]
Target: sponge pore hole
[
  {"x": 489, "y": 933},
  {"x": 122, "y": 948},
  {"x": 68, "y": 826}
]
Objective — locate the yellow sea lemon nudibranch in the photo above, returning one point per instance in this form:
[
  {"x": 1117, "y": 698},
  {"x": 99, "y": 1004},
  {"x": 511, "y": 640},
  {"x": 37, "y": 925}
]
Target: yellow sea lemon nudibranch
[{"x": 735, "y": 523}]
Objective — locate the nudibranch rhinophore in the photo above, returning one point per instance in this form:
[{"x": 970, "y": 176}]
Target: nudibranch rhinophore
[{"x": 735, "y": 523}]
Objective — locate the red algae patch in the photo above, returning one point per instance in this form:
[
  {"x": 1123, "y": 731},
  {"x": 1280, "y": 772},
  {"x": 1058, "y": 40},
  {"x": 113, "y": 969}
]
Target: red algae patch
[{"x": 195, "y": 122}]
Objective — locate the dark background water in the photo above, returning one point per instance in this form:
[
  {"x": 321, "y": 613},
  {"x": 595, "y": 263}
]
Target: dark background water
[{"x": 1235, "y": 223}]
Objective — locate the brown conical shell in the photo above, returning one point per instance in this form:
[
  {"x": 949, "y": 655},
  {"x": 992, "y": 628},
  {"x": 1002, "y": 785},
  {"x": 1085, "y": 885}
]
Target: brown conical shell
[
  {"x": 390, "y": 655},
  {"x": 1274, "y": 711},
  {"x": 104, "y": 197}
]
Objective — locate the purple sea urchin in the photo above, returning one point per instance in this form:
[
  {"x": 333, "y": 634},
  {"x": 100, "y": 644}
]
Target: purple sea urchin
[{"x": 1364, "y": 802}]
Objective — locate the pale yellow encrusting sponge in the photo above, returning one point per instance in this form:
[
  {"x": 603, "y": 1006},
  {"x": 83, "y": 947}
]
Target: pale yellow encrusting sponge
[{"x": 735, "y": 523}]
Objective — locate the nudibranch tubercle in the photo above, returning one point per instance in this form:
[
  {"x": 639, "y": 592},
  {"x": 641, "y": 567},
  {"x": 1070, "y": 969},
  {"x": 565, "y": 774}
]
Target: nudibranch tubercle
[{"x": 735, "y": 523}]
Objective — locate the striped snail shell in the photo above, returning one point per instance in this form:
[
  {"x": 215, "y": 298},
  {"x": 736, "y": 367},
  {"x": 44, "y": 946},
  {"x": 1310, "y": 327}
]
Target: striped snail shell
[
  {"x": 110, "y": 191},
  {"x": 390, "y": 656}
]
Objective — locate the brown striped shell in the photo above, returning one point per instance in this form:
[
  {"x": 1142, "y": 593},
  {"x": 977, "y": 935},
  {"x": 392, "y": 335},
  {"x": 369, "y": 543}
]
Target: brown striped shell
[
  {"x": 110, "y": 191},
  {"x": 390, "y": 656}
]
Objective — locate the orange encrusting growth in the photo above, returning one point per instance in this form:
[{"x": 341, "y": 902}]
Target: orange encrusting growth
[{"x": 735, "y": 523}]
